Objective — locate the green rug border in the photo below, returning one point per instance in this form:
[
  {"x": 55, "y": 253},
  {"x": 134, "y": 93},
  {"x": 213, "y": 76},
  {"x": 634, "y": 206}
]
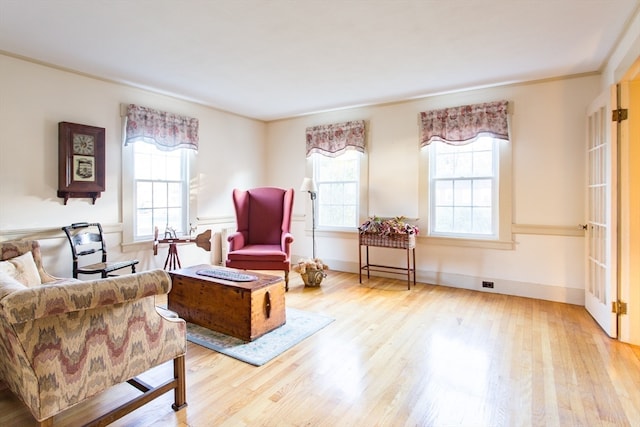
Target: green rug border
[{"x": 238, "y": 349}]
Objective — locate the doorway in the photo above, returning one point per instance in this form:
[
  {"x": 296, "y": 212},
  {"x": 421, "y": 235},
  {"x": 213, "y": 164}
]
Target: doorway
[{"x": 629, "y": 205}]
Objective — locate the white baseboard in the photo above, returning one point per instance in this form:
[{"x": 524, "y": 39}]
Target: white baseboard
[{"x": 500, "y": 286}]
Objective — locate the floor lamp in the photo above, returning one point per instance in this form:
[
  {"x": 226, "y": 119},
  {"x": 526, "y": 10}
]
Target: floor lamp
[{"x": 309, "y": 186}]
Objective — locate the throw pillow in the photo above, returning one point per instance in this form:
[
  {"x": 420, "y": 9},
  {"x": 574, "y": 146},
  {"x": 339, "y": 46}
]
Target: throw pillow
[
  {"x": 8, "y": 285},
  {"x": 22, "y": 268}
]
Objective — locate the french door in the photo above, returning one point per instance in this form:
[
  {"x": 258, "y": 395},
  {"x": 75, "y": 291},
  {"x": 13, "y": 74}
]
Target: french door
[{"x": 601, "y": 244}]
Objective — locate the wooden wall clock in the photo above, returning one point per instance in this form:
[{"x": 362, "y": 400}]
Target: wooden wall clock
[{"x": 81, "y": 162}]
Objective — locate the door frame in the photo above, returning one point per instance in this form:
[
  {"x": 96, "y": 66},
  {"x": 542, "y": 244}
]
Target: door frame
[{"x": 629, "y": 206}]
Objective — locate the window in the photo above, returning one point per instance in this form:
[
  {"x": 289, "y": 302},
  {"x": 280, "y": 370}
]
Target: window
[
  {"x": 342, "y": 189},
  {"x": 465, "y": 175},
  {"x": 158, "y": 173},
  {"x": 338, "y": 182},
  {"x": 454, "y": 207},
  {"x": 160, "y": 190},
  {"x": 463, "y": 181},
  {"x": 336, "y": 156},
  {"x": 156, "y": 191}
]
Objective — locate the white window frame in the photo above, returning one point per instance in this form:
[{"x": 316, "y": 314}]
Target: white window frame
[
  {"x": 503, "y": 237},
  {"x": 362, "y": 205},
  {"x": 130, "y": 243},
  {"x": 493, "y": 177}
]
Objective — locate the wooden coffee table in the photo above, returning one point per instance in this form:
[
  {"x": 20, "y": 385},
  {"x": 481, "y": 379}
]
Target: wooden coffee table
[{"x": 243, "y": 309}]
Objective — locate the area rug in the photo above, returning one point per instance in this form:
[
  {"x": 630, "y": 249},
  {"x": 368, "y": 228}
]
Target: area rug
[{"x": 300, "y": 325}]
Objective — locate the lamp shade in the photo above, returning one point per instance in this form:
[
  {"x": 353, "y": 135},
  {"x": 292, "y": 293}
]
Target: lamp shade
[{"x": 308, "y": 184}]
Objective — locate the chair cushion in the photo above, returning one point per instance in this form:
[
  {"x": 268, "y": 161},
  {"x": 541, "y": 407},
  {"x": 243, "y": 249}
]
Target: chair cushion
[
  {"x": 22, "y": 268},
  {"x": 264, "y": 252}
]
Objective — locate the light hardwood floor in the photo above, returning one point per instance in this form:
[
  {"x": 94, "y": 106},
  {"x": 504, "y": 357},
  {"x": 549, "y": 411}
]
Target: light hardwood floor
[{"x": 431, "y": 356}]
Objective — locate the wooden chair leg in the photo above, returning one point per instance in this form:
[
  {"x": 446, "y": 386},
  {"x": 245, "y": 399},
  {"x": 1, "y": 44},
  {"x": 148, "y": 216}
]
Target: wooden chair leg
[
  {"x": 286, "y": 281},
  {"x": 180, "y": 392},
  {"x": 46, "y": 423}
]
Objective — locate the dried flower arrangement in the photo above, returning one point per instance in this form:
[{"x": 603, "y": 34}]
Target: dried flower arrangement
[
  {"x": 388, "y": 226},
  {"x": 305, "y": 264},
  {"x": 311, "y": 270}
]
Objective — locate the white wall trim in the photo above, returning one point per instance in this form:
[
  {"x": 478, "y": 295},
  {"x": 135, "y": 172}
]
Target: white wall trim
[
  {"x": 48, "y": 233},
  {"x": 548, "y": 230},
  {"x": 215, "y": 220}
]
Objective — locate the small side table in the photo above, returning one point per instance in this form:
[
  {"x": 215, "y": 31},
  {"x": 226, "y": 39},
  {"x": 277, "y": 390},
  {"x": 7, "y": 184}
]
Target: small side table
[
  {"x": 202, "y": 240},
  {"x": 399, "y": 241}
]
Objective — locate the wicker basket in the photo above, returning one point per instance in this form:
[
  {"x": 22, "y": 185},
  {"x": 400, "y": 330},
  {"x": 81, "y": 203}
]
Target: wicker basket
[
  {"x": 312, "y": 277},
  {"x": 402, "y": 241}
]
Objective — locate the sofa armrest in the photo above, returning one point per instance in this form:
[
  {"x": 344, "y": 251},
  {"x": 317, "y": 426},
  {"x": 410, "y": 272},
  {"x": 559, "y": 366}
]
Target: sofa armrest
[{"x": 47, "y": 300}]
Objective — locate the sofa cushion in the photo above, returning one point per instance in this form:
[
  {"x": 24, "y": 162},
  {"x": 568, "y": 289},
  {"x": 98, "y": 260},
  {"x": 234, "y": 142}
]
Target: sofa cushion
[{"x": 22, "y": 268}]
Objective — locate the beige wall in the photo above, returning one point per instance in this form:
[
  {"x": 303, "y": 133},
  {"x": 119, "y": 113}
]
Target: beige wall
[
  {"x": 547, "y": 128},
  {"x": 34, "y": 98}
]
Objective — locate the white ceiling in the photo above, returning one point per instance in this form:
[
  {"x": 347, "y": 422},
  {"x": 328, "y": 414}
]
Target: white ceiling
[{"x": 271, "y": 59}]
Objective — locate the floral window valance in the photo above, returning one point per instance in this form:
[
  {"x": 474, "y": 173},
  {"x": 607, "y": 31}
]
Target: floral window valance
[
  {"x": 166, "y": 131},
  {"x": 334, "y": 139},
  {"x": 462, "y": 125}
]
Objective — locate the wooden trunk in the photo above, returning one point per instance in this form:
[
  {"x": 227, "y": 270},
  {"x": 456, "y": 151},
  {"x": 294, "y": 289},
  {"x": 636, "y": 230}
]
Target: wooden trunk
[{"x": 245, "y": 310}]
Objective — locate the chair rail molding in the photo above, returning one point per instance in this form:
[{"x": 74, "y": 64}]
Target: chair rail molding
[
  {"x": 548, "y": 230},
  {"x": 44, "y": 233}
]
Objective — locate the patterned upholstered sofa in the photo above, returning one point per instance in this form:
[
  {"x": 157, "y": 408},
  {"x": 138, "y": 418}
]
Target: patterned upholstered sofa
[{"x": 63, "y": 340}]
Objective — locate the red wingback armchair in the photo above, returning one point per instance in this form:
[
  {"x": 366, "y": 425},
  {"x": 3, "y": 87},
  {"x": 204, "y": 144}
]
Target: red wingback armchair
[{"x": 262, "y": 240}]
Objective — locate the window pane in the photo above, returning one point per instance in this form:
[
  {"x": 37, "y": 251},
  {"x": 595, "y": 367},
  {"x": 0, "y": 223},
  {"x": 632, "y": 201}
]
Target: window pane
[
  {"x": 160, "y": 218},
  {"x": 444, "y": 219},
  {"x": 336, "y": 193},
  {"x": 445, "y": 166},
  {"x": 175, "y": 194},
  {"x": 173, "y": 167},
  {"x": 142, "y": 166},
  {"x": 462, "y": 183},
  {"x": 462, "y": 193},
  {"x": 462, "y": 219},
  {"x": 161, "y": 189},
  {"x": 444, "y": 193},
  {"x": 350, "y": 191},
  {"x": 350, "y": 215},
  {"x": 175, "y": 219},
  {"x": 482, "y": 220},
  {"x": 464, "y": 165},
  {"x": 482, "y": 192},
  {"x": 483, "y": 163},
  {"x": 338, "y": 182},
  {"x": 331, "y": 214},
  {"x": 160, "y": 194},
  {"x": 143, "y": 195},
  {"x": 159, "y": 168},
  {"x": 351, "y": 170},
  {"x": 144, "y": 222},
  {"x": 483, "y": 144}
]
